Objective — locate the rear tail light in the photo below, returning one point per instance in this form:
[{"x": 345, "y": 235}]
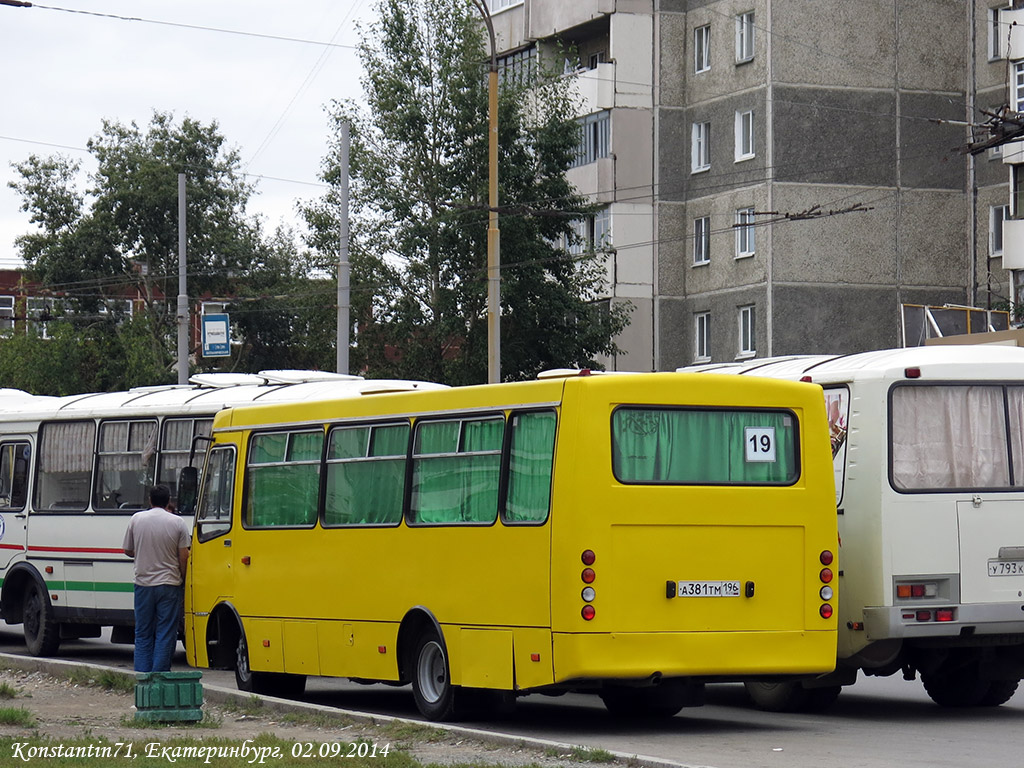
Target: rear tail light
[
  {"x": 588, "y": 612},
  {"x": 825, "y": 611},
  {"x": 924, "y": 615},
  {"x": 944, "y": 614},
  {"x": 588, "y": 593},
  {"x": 588, "y": 557},
  {"x": 825, "y": 575},
  {"x": 826, "y": 557},
  {"x": 826, "y": 593},
  {"x": 917, "y": 590},
  {"x": 588, "y": 575}
]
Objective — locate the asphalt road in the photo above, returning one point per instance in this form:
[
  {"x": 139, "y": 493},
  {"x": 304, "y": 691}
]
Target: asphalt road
[{"x": 876, "y": 723}]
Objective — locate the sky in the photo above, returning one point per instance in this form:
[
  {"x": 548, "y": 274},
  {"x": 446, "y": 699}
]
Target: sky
[{"x": 70, "y": 64}]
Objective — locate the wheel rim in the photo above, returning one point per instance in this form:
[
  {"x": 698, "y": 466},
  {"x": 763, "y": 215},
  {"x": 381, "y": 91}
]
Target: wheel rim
[
  {"x": 242, "y": 660},
  {"x": 430, "y": 672},
  {"x": 33, "y": 609}
]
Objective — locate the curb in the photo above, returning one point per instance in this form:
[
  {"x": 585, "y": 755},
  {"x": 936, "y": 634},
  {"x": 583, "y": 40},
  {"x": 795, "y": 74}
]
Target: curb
[{"x": 216, "y": 694}]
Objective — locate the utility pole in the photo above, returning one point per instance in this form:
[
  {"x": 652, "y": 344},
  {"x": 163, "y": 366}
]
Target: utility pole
[
  {"x": 493, "y": 233},
  {"x": 182, "y": 288},
  {"x": 344, "y": 268}
]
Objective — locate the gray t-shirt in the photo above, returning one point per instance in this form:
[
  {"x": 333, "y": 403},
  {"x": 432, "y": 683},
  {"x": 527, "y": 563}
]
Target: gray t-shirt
[{"x": 156, "y": 535}]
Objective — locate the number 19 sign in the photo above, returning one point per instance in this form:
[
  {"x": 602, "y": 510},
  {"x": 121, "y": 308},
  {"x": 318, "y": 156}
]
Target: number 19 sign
[{"x": 760, "y": 443}]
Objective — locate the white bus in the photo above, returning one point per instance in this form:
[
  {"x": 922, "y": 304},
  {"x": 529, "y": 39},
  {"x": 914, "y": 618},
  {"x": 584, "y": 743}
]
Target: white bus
[
  {"x": 928, "y": 453},
  {"x": 74, "y": 469}
]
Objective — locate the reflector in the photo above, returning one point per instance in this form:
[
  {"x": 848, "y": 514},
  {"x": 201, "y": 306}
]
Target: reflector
[
  {"x": 588, "y": 557},
  {"x": 588, "y": 575},
  {"x": 826, "y": 557}
]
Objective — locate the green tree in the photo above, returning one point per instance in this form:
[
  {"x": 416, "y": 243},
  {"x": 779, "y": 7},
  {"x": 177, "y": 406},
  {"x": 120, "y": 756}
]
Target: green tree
[
  {"x": 419, "y": 164},
  {"x": 119, "y": 239}
]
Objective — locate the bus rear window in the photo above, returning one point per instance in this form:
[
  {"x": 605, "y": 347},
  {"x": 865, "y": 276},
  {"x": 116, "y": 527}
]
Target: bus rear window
[{"x": 703, "y": 446}]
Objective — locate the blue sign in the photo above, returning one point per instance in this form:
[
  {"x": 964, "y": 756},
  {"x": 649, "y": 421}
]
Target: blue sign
[{"x": 216, "y": 336}]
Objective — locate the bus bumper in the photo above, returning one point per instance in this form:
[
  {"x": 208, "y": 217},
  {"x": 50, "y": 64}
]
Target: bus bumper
[
  {"x": 919, "y": 621},
  {"x": 733, "y": 655}
]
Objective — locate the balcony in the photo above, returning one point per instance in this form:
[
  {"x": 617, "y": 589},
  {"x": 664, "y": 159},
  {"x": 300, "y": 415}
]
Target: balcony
[{"x": 596, "y": 88}]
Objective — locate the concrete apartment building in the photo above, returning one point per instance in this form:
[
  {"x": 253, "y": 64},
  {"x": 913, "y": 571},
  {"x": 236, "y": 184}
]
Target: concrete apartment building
[{"x": 781, "y": 176}]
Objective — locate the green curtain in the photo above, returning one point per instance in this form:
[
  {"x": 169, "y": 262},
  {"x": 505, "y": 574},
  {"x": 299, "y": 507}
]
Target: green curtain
[
  {"x": 283, "y": 492},
  {"x": 366, "y": 491},
  {"x": 533, "y": 453},
  {"x": 700, "y": 447},
  {"x": 461, "y": 488}
]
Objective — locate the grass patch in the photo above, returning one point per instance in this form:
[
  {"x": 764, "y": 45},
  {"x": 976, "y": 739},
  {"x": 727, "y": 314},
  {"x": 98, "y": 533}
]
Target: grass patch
[
  {"x": 118, "y": 682},
  {"x": 209, "y": 720},
  {"x": 316, "y": 719},
  {"x": 16, "y": 716},
  {"x": 587, "y": 755},
  {"x": 7, "y": 691},
  {"x": 251, "y": 707},
  {"x": 399, "y": 731}
]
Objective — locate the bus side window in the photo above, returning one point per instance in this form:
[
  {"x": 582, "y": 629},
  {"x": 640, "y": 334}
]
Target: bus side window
[
  {"x": 65, "y": 466},
  {"x": 366, "y": 474},
  {"x": 530, "y": 466},
  {"x": 125, "y": 464},
  {"x": 456, "y": 467},
  {"x": 14, "y": 462},
  {"x": 213, "y": 517},
  {"x": 283, "y": 479}
]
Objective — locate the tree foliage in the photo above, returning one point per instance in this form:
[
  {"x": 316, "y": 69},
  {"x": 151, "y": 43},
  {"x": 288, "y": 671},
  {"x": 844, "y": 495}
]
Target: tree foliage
[
  {"x": 419, "y": 167},
  {"x": 118, "y": 239}
]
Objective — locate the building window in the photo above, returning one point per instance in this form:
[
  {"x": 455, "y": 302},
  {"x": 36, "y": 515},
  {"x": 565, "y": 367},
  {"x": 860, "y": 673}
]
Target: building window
[
  {"x": 590, "y": 235},
  {"x": 702, "y": 240},
  {"x": 702, "y": 339},
  {"x": 744, "y": 135},
  {"x": 600, "y": 57},
  {"x": 747, "y": 344},
  {"x": 519, "y": 68},
  {"x": 702, "y": 49},
  {"x": 994, "y": 34},
  {"x": 594, "y": 138},
  {"x": 700, "y": 154},
  {"x": 744, "y": 233},
  {"x": 997, "y": 215},
  {"x": 745, "y": 37},
  {"x": 1018, "y": 86},
  {"x": 500, "y": 5},
  {"x": 7, "y": 304}
]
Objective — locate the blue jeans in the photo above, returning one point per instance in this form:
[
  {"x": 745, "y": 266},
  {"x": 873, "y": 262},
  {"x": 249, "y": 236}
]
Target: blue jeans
[{"x": 157, "y": 612}]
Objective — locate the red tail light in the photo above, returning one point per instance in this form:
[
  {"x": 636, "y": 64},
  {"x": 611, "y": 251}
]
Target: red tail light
[
  {"x": 588, "y": 612},
  {"x": 588, "y": 575},
  {"x": 825, "y": 575},
  {"x": 826, "y": 558},
  {"x": 825, "y": 611},
  {"x": 944, "y": 614},
  {"x": 588, "y": 557}
]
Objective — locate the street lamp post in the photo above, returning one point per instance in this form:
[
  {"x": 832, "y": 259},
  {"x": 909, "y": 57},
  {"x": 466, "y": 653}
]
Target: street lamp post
[{"x": 493, "y": 233}]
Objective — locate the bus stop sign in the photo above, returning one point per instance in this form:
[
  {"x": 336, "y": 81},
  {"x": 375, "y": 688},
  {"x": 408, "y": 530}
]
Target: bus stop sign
[{"x": 216, "y": 336}]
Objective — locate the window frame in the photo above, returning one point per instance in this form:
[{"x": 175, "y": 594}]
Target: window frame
[
  {"x": 406, "y": 457},
  {"x": 994, "y": 34},
  {"x": 200, "y": 521},
  {"x": 744, "y": 135},
  {"x": 701, "y": 241},
  {"x": 505, "y": 479},
  {"x": 99, "y": 473},
  {"x": 249, "y": 465},
  {"x": 747, "y": 319},
  {"x": 746, "y": 241},
  {"x": 8, "y": 313},
  {"x": 700, "y": 147},
  {"x": 702, "y": 336},
  {"x": 17, "y": 445},
  {"x": 38, "y": 471},
  {"x": 745, "y": 37},
  {"x": 702, "y": 49},
  {"x": 595, "y": 138},
  {"x": 995, "y": 229}
]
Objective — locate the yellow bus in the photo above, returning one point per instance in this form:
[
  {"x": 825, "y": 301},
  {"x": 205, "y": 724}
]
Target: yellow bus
[{"x": 634, "y": 536}]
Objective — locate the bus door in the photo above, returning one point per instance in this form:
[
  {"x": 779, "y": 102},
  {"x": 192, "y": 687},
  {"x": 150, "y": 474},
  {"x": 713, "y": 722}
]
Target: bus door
[
  {"x": 210, "y": 572},
  {"x": 15, "y": 471},
  {"x": 991, "y": 550}
]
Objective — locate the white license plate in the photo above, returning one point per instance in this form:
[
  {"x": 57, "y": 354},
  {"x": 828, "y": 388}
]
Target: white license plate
[
  {"x": 1006, "y": 567},
  {"x": 708, "y": 589}
]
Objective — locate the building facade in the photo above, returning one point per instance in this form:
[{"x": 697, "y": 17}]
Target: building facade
[{"x": 779, "y": 176}]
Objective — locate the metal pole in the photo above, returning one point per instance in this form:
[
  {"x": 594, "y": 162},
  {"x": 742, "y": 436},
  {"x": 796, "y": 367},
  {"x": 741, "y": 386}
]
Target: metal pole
[
  {"x": 493, "y": 233},
  {"x": 344, "y": 268},
  {"x": 182, "y": 315}
]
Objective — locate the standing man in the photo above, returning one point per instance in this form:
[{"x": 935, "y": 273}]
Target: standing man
[{"x": 158, "y": 540}]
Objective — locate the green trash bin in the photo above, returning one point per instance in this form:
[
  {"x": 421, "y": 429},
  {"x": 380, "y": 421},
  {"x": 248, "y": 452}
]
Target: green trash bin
[{"x": 169, "y": 697}]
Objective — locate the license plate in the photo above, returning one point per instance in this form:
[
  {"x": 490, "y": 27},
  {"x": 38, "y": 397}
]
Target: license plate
[
  {"x": 708, "y": 589},
  {"x": 1006, "y": 567}
]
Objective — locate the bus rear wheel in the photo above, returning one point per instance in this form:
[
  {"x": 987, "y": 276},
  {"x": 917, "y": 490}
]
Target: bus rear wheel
[
  {"x": 42, "y": 632},
  {"x": 998, "y": 693},
  {"x": 267, "y": 683},
  {"x": 957, "y": 688},
  {"x": 431, "y": 679}
]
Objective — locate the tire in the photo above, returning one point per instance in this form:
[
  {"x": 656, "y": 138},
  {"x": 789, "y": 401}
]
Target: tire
[
  {"x": 998, "y": 693},
  {"x": 431, "y": 679},
  {"x": 820, "y": 699},
  {"x": 659, "y": 701},
  {"x": 42, "y": 633},
  {"x": 787, "y": 696},
  {"x": 959, "y": 688},
  {"x": 264, "y": 683}
]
